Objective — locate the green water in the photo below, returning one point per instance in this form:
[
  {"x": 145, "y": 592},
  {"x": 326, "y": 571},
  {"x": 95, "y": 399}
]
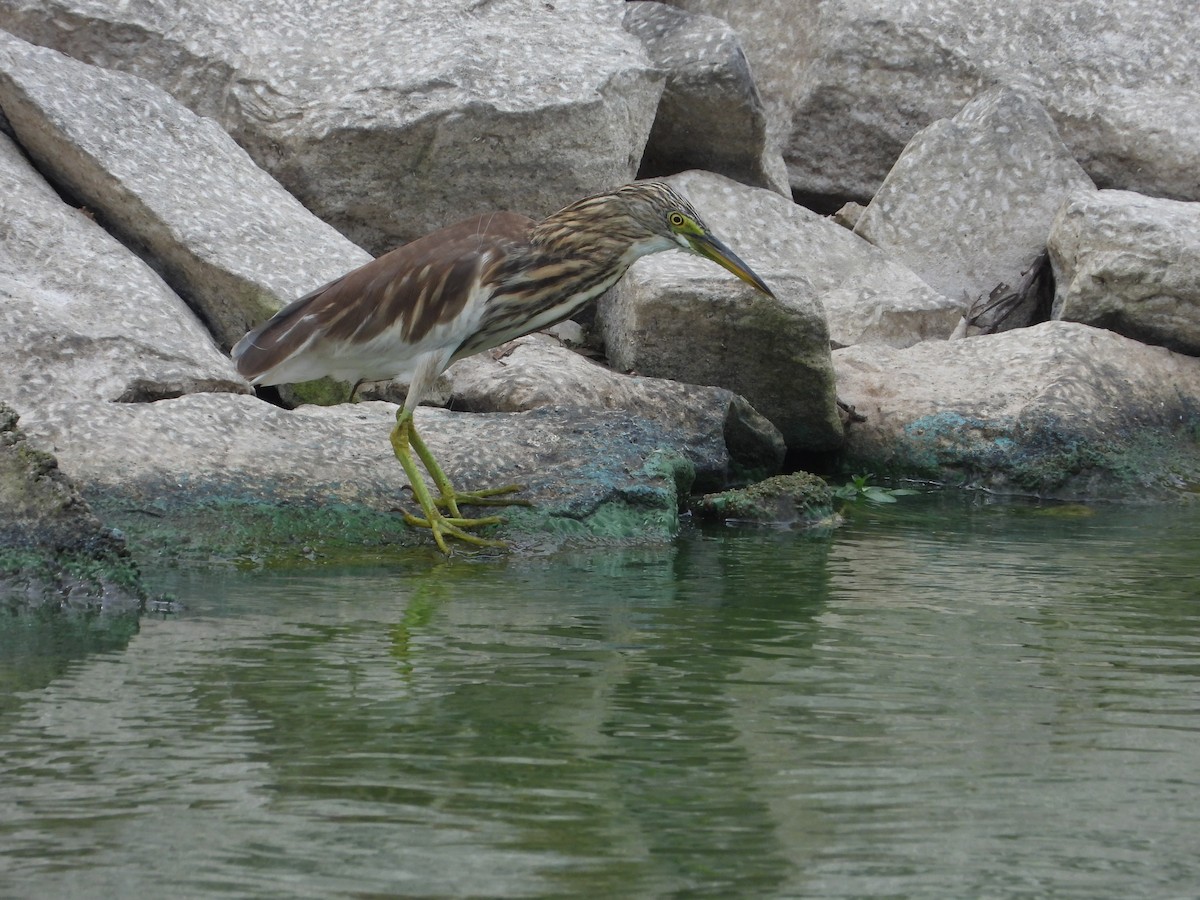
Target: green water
[{"x": 943, "y": 699}]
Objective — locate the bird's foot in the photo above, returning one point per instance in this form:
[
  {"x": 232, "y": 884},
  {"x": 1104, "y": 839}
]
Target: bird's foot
[
  {"x": 452, "y": 526},
  {"x": 441, "y": 514},
  {"x": 485, "y": 497}
]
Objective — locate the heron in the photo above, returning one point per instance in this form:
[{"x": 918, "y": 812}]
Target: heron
[{"x": 461, "y": 290}]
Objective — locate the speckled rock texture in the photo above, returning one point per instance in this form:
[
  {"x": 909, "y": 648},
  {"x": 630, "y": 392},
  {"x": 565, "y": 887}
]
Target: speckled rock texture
[
  {"x": 969, "y": 203},
  {"x": 1057, "y": 410},
  {"x": 856, "y": 80},
  {"x": 227, "y": 237},
  {"x": 389, "y": 119},
  {"x": 776, "y": 36},
  {"x": 594, "y": 474},
  {"x": 54, "y": 553},
  {"x": 80, "y": 316},
  {"x": 681, "y": 317},
  {"x": 710, "y": 116},
  {"x": 868, "y": 297},
  {"x": 1131, "y": 264},
  {"x": 723, "y": 437}
]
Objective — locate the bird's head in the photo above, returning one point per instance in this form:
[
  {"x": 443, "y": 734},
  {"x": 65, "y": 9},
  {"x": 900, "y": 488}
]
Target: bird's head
[{"x": 650, "y": 216}]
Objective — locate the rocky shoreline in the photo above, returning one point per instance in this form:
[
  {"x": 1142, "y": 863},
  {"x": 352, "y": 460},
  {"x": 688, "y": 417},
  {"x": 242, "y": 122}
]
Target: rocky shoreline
[{"x": 1011, "y": 304}]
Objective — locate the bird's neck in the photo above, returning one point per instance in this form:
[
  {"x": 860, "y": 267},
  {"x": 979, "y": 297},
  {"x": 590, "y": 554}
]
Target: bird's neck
[
  {"x": 561, "y": 269},
  {"x": 573, "y": 265}
]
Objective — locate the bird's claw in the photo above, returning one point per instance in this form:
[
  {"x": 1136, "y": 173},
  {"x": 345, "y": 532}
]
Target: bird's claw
[
  {"x": 447, "y": 526},
  {"x": 485, "y": 497},
  {"x": 451, "y": 523}
]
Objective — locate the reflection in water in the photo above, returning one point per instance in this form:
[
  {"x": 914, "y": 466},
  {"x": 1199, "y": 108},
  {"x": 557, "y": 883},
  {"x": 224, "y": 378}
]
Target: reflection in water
[
  {"x": 940, "y": 700},
  {"x": 38, "y": 647}
]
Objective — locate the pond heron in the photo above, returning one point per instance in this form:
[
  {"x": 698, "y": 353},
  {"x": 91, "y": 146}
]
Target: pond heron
[{"x": 461, "y": 290}]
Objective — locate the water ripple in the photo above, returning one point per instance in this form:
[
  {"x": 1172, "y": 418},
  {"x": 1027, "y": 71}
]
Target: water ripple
[{"x": 940, "y": 700}]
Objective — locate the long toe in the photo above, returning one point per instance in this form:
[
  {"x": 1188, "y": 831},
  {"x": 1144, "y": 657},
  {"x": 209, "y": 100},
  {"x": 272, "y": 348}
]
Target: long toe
[
  {"x": 442, "y": 527},
  {"x": 453, "y": 521},
  {"x": 485, "y": 497}
]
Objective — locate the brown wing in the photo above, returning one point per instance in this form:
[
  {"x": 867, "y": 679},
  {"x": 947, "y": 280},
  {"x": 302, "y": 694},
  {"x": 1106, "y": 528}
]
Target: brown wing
[{"x": 418, "y": 285}]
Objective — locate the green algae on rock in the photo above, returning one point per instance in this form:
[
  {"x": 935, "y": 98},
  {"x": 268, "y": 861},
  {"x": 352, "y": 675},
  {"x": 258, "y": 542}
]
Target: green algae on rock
[
  {"x": 795, "y": 499},
  {"x": 54, "y": 552}
]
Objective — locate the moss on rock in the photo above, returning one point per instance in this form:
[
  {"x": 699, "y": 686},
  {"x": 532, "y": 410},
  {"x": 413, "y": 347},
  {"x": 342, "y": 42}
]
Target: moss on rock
[
  {"x": 644, "y": 505},
  {"x": 795, "y": 499},
  {"x": 54, "y": 552}
]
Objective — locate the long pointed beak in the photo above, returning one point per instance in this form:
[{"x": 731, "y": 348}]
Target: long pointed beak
[{"x": 711, "y": 248}]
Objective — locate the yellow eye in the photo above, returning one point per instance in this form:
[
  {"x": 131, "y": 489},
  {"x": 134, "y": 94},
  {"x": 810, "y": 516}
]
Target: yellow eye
[{"x": 676, "y": 220}]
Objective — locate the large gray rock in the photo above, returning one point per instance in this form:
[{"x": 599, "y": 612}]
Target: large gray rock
[
  {"x": 174, "y": 186},
  {"x": 870, "y": 79},
  {"x": 858, "y": 80},
  {"x": 1058, "y": 409},
  {"x": 677, "y": 316},
  {"x": 54, "y": 553},
  {"x": 1130, "y": 263},
  {"x": 392, "y": 118},
  {"x": 83, "y": 318},
  {"x": 710, "y": 116},
  {"x": 327, "y": 475},
  {"x": 867, "y": 296},
  {"x": 969, "y": 203},
  {"x": 776, "y": 36},
  {"x": 723, "y": 437}
]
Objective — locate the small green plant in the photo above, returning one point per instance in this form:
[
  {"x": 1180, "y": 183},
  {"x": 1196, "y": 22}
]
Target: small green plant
[{"x": 860, "y": 488}]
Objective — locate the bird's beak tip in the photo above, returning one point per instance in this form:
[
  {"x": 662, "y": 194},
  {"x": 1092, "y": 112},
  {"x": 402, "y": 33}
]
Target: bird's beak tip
[{"x": 716, "y": 251}]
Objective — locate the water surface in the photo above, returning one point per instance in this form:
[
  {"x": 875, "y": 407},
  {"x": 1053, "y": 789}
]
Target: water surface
[{"x": 943, "y": 699}]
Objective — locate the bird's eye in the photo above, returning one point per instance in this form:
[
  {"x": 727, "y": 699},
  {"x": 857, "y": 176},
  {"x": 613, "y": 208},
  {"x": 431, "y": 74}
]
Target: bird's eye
[{"x": 676, "y": 220}]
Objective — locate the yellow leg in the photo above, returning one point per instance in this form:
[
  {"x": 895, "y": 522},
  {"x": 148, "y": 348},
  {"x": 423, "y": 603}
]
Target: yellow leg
[
  {"x": 404, "y": 440},
  {"x": 450, "y": 497}
]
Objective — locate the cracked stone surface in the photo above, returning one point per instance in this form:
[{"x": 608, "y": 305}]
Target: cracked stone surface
[
  {"x": 969, "y": 203},
  {"x": 393, "y": 118},
  {"x": 853, "y": 81},
  {"x": 710, "y": 116},
  {"x": 225, "y": 234},
  {"x": 1130, "y": 263},
  {"x": 83, "y": 318}
]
